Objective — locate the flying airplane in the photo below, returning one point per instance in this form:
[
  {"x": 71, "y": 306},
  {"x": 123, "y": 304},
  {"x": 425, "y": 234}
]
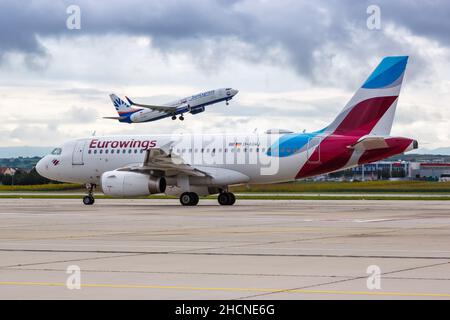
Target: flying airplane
[
  {"x": 137, "y": 112},
  {"x": 193, "y": 165}
]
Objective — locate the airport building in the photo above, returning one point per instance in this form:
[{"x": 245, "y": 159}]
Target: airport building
[
  {"x": 384, "y": 170},
  {"x": 432, "y": 171},
  {"x": 381, "y": 170}
]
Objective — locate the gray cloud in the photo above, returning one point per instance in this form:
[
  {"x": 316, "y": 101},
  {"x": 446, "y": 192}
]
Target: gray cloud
[
  {"x": 308, "y": 32},
  {"x": 265, "y": 48}
]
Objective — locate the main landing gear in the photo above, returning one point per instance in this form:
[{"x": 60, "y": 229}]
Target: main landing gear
[
  {"x": 89, "y": 198},
  {"x": 189, "y": 199},
  {"x": 174, "y": 117},
  {"x": 226, "y": 198}
]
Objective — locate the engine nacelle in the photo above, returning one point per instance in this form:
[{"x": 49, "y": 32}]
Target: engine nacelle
[
  {"x": 197, "y": 110},
  {"x": 131, "y": 184}
]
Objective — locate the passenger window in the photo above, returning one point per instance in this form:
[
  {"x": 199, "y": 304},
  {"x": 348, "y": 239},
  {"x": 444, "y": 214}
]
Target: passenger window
[
  {"x": 106, "y": 151},
  {"x": 89, "y": 151},
  {"x": 95, "y": 151}
]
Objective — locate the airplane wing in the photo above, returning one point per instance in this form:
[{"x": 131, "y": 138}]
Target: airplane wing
[
  {"x": 153, "y": 107},
  {"x": 157, "y": 159},
  {"x": 369, "y": 143}
]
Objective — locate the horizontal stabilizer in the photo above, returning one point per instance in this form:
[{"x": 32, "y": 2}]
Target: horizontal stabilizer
[
  {"x": 369, "y": 143},
  {"x": 115, "y": 118}
]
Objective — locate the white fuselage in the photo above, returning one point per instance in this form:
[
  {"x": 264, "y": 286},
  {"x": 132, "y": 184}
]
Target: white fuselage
[
  {"x": 85, "y": 160},
  {"x": 226, "y": 159},
  {"x": 193, "y": 104}
]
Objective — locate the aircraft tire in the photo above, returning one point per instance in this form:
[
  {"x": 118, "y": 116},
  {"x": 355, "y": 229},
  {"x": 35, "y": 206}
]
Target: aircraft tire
[
  {"x": 195, "y": 199},
  {"x": 189, "y": 199},
  {"x": 231, "y": 199},
  {"x": 88, "y": 200},
  {"x": 223, "y": 198},
  {"x": 226, "y": 199}
]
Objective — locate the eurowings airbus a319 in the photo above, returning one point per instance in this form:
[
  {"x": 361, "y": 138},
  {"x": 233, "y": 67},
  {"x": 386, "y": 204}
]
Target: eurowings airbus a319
[
  {"x": 138, "y": 112},
  {"x": 193, "y": 165}
]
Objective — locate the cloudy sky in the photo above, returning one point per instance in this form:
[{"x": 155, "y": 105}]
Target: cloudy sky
[{"x": 296, "y": 63}]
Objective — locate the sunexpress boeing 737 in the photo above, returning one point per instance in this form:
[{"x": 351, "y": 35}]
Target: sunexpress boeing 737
[
  {"x": 192, "y": 165},
  {"x": 137, "y": 112}
]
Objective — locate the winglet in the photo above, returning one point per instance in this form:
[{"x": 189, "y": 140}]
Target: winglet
[{"x": 129, "y": 100}]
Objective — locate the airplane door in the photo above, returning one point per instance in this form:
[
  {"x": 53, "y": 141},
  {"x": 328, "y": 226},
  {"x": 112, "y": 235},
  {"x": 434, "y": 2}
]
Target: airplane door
[
  {"x": 314, "y": 149},
  {"x": 77, "y": 156}
]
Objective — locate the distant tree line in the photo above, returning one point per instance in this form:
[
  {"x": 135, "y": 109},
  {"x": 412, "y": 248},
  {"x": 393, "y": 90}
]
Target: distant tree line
[{"x": 22, "y": 177}]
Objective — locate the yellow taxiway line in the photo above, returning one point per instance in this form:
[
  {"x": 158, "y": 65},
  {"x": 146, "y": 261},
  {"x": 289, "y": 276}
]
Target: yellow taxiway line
[{"x": 258, "y": 290}]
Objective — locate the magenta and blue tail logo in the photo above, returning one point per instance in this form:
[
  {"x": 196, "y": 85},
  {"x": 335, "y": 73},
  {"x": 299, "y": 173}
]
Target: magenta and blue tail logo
[{"x": 361, "y": 116}]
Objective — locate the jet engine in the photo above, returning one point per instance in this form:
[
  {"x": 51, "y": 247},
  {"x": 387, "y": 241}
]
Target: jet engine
[
  {"x": 132, "y": 184},
  {"x": 197, "y": 110}
]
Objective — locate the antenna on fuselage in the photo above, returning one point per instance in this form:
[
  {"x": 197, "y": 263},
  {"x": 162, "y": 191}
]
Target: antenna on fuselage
[{"x": 93, "y": 133}]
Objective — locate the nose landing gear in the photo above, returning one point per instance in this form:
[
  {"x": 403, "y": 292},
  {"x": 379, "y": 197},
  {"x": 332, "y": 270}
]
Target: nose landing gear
[{"x": 89, "y": 198}]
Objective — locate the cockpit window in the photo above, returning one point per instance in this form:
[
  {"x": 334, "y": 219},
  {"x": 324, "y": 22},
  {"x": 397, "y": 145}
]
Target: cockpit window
[
  {"x": 56, "y": 151},
  {"x": 228, "y": 89}
]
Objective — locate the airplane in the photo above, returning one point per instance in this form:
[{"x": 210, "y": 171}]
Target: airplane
[
  {"x": 137, "y": 112},
  {"x": 193, "y": 165}
]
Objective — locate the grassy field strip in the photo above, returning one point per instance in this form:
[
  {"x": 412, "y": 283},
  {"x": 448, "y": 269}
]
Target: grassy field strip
[{"x": 377, "y": 187}]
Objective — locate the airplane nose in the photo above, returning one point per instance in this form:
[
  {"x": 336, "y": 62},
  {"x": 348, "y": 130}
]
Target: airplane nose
[{"x": 41, "y": 167}]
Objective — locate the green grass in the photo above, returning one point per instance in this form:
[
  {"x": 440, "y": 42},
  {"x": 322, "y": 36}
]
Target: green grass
[
  {"x": 43, "y": 187},
  {"x": 395, "y": 187},
  {"x": 350, "y": 187}
]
